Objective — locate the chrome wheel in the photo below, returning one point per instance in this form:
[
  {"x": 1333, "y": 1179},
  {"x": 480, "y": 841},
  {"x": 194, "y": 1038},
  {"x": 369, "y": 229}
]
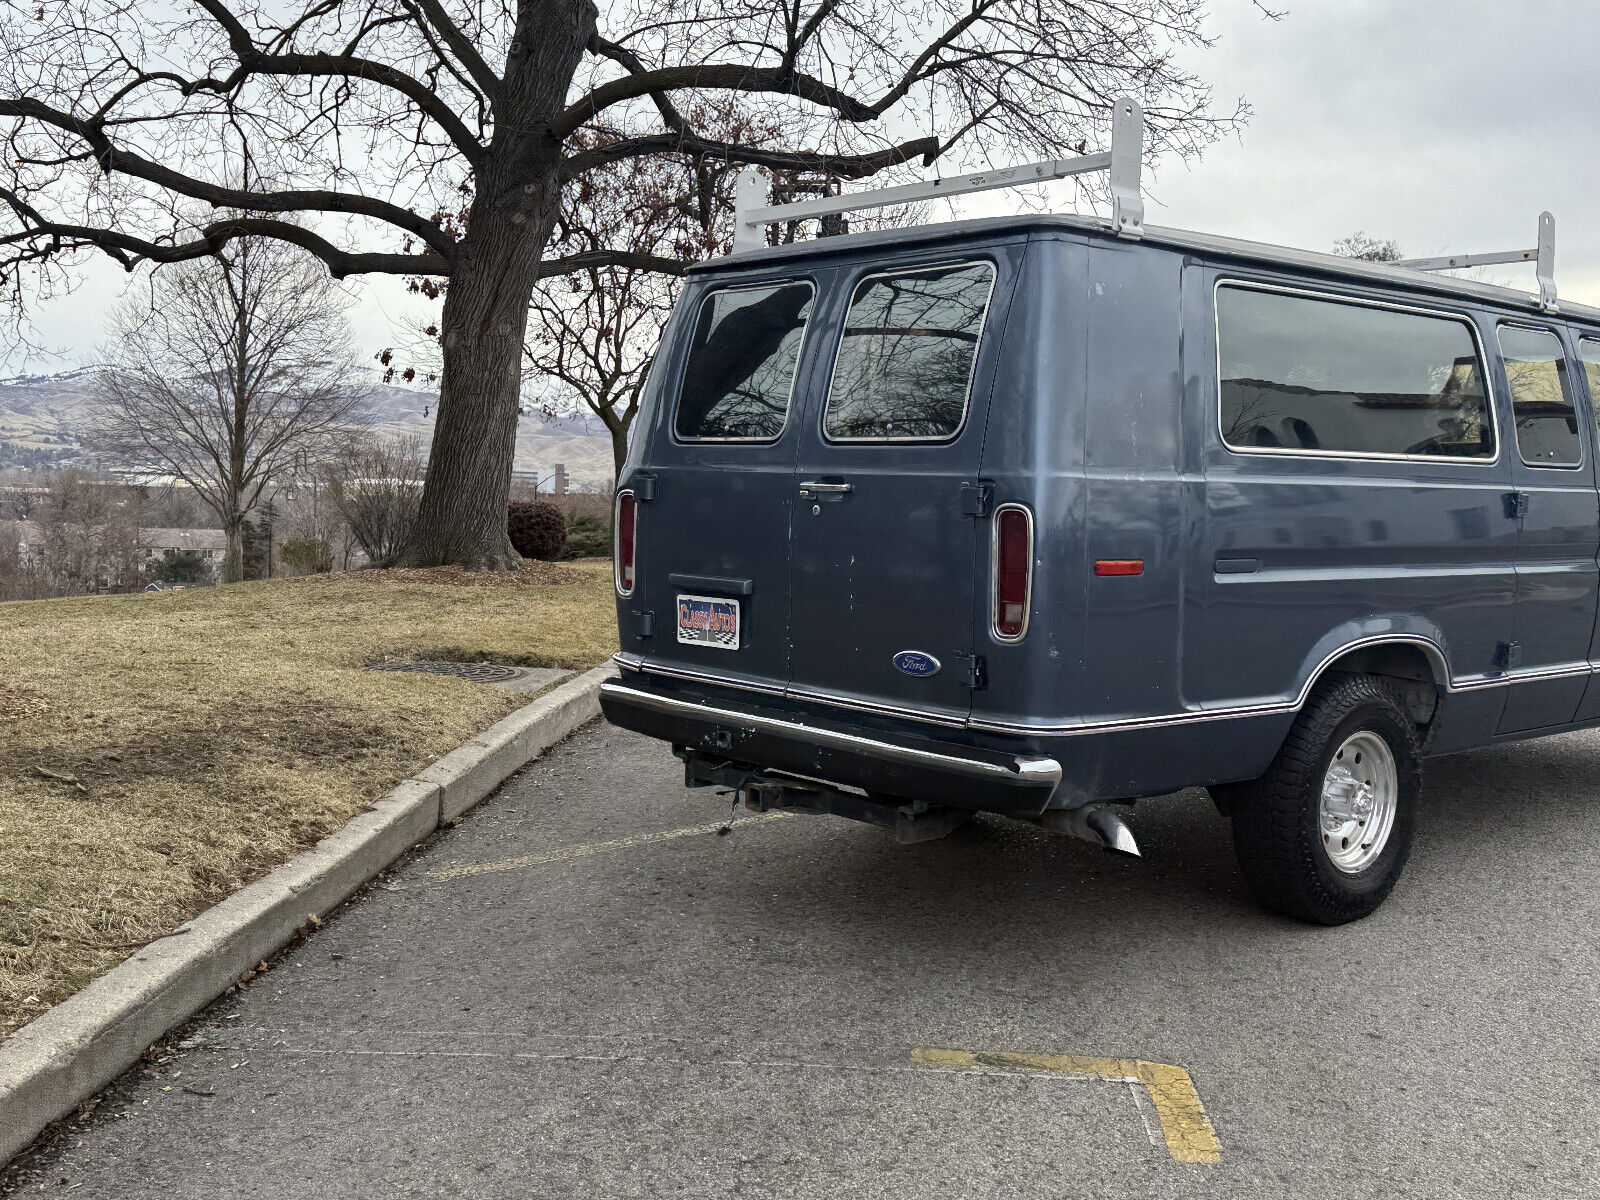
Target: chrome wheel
[{"x": 1360, "y": 792}]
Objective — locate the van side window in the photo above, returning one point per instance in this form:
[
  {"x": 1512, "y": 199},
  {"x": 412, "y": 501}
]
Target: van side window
[
  {"x": 740, "y": 373},
  {"x": 1589, "y": 352},
  {"x": 1298, "y": 373},
  {"x": 1541, "y": 397},
  {"x": 907, "y": 353}
]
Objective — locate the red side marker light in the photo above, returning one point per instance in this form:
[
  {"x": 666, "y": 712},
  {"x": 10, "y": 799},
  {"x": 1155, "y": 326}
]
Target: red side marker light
[{"x": 1119, "y": 566}]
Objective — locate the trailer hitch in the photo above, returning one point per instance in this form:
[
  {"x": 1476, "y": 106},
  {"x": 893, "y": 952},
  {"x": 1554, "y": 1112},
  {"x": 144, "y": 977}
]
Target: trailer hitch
[{"x": 773, "y": 791}]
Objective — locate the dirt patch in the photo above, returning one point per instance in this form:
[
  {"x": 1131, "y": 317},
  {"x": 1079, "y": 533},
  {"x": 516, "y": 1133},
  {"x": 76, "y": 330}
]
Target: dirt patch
[
  {"x": 529, "y": 573},
  {"x": 298, "y": 731},
  {"x": 18, "y": 704}
]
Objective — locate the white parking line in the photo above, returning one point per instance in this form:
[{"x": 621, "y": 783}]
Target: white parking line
[{"x": 589, "y": 849}]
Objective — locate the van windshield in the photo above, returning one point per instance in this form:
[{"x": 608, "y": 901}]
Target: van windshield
[{"x": 740, "y": 374}]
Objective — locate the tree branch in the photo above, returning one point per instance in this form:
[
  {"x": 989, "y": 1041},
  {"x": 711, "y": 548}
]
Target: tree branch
[
  {"x": 848, "y": 166},
  {"x": 255, "y": 61},
  {"x": 111, "y": 158},
  {"x": 462, "y": 47},
  {"x": 629, "y": 61},
  {"x": 733, "y": 77},
  {"x": 130, "y": 251},
  {"x": 635, "y": 260}
]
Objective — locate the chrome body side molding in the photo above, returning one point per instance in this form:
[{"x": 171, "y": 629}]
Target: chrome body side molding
[{"x": 634, "y": 662}]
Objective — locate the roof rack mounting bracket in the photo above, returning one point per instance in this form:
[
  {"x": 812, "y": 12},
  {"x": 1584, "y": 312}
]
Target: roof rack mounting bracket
[
  {"x": 1123, "y": 161},
  {"x": 1127, "y": 157},
  {"x": 1543, "y": 257}
]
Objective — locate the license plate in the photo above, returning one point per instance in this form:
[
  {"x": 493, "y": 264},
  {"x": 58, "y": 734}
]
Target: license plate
[{"x": 708, "y": 621}]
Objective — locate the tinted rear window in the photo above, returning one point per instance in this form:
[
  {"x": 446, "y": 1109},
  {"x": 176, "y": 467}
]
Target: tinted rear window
[
  {"x": 905, "y": 360},
  {"x": 1541, "y": 397},
  {"x": 740, "y": 374},
  {"x": 1300, "y": 373}
]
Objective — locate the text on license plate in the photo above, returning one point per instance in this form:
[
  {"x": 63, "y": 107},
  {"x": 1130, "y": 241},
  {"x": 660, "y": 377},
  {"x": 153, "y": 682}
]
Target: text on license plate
[{"x": 708, "y": 621}]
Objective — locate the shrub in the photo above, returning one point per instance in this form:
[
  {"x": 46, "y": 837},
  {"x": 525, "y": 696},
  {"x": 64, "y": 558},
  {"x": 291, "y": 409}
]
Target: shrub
[
  {"x": 587, "y": 537},
  {"x": 306, "y": 556},
  {"x": 188, "y": 567},
  {"x": 537, "y": 528}
]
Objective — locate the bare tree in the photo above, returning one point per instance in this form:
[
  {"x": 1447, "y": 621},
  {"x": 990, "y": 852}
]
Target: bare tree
[
  {"x": 89, "y": 535},
  {"x": 1360, "y": 245},
  {"x": 227, "y": 371},
  {"x": 368, "y": 115},
  {"x": 376, "y": 484}
]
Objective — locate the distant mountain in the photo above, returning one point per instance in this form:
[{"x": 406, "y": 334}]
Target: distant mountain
[
  {"x": 39, "y": 415},
  {"x": 42, "y": 418}
]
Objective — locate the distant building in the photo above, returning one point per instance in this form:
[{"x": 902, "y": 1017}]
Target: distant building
[
  {"x": 530, "y": 483},
  {"x": 211, "y": 544}
]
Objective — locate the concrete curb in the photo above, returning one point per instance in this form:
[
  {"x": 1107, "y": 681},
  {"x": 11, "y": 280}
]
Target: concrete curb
[{"x": 71, "y": 1051}]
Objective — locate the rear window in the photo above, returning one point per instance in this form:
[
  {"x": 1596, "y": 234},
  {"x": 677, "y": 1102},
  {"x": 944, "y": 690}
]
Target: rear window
[
  {"x": 1541, "y": 397},
  {"x": 1303, "y": 374},
  {"x": 740, "y": 375},
  {"x": 905, "y": 362}
]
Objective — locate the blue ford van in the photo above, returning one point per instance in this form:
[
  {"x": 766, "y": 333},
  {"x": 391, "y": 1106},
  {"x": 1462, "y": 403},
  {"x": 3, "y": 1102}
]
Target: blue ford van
[{"x": 1030, "y": 517}]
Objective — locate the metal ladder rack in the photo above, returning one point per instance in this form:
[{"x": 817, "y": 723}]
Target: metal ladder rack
[
  {"x": 1543, "y": 256},
  {"x": 1123, "y": 161}
]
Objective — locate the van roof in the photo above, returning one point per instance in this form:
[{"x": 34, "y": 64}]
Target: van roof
[{"x": 1260, "y": 252}]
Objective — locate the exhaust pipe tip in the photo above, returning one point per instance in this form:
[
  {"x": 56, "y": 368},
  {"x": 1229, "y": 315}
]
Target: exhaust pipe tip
[
  {"x": 1113, "y": 832},
  {"x": 1094, "y": 824}
]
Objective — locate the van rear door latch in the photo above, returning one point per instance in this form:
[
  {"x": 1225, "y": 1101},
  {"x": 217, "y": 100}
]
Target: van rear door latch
[
  {"x": 1516, "y": 505},
  {"x": 977, "y": 499}
]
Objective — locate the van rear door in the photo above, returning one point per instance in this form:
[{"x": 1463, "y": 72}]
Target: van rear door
[
  {"x": 714, "y": 485},
  {"x": 885, "y": 554}
]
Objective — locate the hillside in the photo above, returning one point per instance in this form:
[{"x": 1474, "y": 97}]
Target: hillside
[{"x": 41, "y": 419}]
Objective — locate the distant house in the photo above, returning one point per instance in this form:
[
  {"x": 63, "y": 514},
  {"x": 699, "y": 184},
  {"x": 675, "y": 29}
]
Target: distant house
[
  {"x": 211, "y": 543},
  {"x": 150, "y": 544}
]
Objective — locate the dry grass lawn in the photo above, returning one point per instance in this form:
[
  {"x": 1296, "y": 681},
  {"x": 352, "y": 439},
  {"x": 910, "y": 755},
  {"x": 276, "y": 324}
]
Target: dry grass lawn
[{"x": 159, "y": 751}]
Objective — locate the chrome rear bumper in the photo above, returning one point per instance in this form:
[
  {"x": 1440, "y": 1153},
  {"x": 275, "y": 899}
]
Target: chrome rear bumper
[{"x": 910, "y": 766}]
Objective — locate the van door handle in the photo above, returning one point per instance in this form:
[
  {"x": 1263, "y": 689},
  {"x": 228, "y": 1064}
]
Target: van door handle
[
  {"x": 827, "y": 489},
  {"x": 1237, "y": 566}
]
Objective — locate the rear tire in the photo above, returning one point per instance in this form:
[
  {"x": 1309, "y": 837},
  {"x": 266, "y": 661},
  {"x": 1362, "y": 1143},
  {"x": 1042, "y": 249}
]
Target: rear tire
[{"x": 1325, "y": 833}]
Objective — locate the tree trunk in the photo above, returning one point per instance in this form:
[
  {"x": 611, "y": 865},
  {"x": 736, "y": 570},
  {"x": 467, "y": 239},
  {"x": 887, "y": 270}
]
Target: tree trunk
[
  {"x": 462, "y": 516},
  {"x": 233, "y": 556},
  {"x": 619, "y": 452}
]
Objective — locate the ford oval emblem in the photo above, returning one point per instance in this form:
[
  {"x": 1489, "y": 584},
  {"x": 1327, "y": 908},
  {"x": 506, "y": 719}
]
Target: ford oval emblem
[{"x": 915, "y": 662}]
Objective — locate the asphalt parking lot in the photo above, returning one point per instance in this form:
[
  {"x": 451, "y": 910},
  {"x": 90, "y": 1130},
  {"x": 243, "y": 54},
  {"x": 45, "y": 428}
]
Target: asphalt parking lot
[{"x": 583, "y": 990}]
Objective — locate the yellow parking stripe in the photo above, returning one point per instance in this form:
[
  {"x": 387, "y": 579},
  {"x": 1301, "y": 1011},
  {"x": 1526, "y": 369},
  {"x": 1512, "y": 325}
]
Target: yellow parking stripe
[
  {"x": 1190, "y": 1138},
  {"x": 590, "y": 849}
]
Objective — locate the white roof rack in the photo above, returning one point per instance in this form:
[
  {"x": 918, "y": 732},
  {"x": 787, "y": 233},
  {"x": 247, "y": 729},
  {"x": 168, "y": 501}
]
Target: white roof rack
[
  {"x": 1543, "y": 256},
  {"x": 1123, "y": 161}
]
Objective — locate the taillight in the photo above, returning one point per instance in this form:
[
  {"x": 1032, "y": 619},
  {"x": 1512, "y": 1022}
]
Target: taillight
[
  {"x": 625, "y": 542},
  {"x": 1013, "y": 571}
]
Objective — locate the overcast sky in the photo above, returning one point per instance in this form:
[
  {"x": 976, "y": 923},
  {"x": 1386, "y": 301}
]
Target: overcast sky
[{"x": 1445, "y": 124}]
